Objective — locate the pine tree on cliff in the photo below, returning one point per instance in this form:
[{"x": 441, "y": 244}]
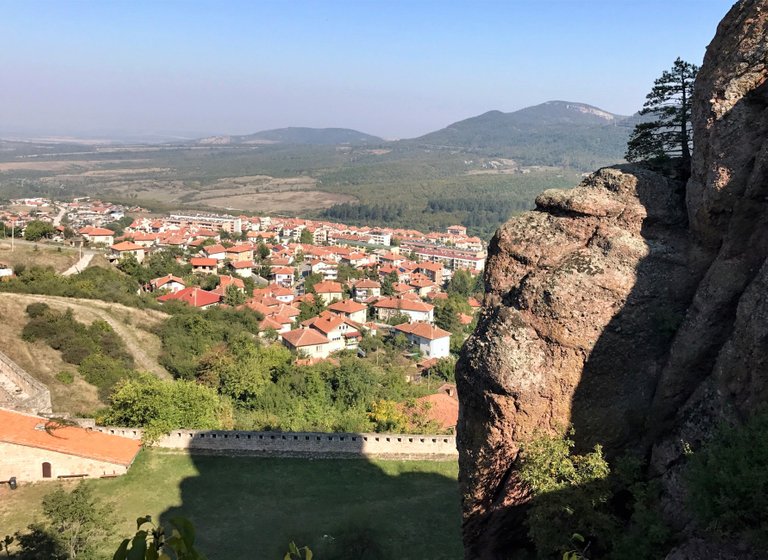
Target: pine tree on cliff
[{"x": 669, "y": 134}]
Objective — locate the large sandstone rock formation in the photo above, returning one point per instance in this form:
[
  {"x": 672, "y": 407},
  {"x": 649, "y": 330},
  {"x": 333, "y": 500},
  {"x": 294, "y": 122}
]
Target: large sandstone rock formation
[{"x": 621, "y": 308}]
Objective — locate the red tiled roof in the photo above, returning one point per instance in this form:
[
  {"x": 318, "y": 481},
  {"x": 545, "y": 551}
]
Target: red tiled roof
[
  {"x": 94, "y": 231},
  {"x": 347, "y": 306},
  {"x": 328, "y": 288},
  {"x": 126, "y": 246},
  {"x": 194, "y": 296},
  {"x": 406, "y": 304},
  {"x": 240, "y": 249},
  {"x": 324, "y": 324},
  {"x": 366, "y": 283},
  {"x": 163, "y": 280},
  {"x": 34, "y": 431},
  {"x": 202, "y": 261},
  {"x": 304, "y": 337},
  {"x": 442, "y": 409},
  {"x": 423, "y": 330}
]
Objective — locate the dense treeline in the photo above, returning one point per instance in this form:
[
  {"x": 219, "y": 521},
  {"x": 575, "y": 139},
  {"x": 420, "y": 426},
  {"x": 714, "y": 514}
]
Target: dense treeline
[{"x": 347, "y": 212}]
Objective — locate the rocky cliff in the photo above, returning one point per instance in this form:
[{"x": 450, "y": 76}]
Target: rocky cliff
[{"x": 630, "y": 307}]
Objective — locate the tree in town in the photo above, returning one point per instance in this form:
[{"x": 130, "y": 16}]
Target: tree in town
[
  {"x": 462, "y": 283},
  {"x": 234, "y": 296},
  {"x": 669, "y": 133},
  {"x": 306, "y": 237},
  {"x": 37, "y": 230}
]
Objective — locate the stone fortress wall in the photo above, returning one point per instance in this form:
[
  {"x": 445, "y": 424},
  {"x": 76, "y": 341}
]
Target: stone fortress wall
[
  {"x": 301, "y": 444},
  {"x": 20, "y": 391}
]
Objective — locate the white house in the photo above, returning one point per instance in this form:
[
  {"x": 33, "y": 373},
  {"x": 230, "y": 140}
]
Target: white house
[
  {"x": 432, "y": 341},
  {"x": 353, "y": 310},
  {"x": 307, "y": 341},
  {"x": 169, "y": 282},
  {"x": 416, "y": 310}
]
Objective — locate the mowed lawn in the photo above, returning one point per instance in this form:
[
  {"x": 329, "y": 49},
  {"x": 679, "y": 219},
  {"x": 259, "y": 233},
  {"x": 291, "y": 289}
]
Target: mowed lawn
[{"x": 251, "y": 508}]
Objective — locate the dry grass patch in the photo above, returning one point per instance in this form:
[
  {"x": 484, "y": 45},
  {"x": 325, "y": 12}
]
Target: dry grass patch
[
  {"x": 44, "y": 255},
  {"x": 289, "y": 202}
]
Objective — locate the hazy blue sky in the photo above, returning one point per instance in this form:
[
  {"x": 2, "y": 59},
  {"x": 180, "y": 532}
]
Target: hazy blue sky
[{"x": 391, "y": 68}]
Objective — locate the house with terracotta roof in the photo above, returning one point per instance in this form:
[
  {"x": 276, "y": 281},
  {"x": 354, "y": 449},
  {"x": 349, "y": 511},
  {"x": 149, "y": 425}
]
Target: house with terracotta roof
[
  {"x": 328, "y": 269},
  {"x": 340, "y": 331},
  {"x": 98, "y": 236},
  {"x": 243, "y": 268},
  {"x": 238, "y": 253},
  {"x": 217, "y": 252},
  {"x": 203, "y": 265},
  {"x": 33, "y": 448},
  {"x": 365, "y": 288},
  {"x": 350, "y": 309},
  {"x": 329, "y": 291},
  {"x": 194, "y": 296},
  {"x": 415, "y": 309},
  {"x": 120, "y": 250},
  {"x": 282, "y": 275},
  {"x": 432, "y": 341},
  {"x": 307, "y": 341},
  {"x": 168, "y": 282}
]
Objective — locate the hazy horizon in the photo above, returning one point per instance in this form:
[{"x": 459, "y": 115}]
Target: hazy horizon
[{"x": 393, "y": 69}]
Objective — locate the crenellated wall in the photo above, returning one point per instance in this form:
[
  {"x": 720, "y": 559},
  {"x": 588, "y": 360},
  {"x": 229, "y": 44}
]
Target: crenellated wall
[{"x": 302, "y": 444}]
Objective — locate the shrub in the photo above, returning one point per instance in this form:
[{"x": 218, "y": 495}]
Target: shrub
[
  {"x": 570, "y": 493},
  {"x": 65, "y": 377},
  {"x": 727, "y": 480}
]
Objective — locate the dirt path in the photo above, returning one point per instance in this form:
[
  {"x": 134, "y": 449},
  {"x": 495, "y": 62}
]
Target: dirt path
[
  {"x": 79, "y": 266},
  {"x": 136, "y": 340}
]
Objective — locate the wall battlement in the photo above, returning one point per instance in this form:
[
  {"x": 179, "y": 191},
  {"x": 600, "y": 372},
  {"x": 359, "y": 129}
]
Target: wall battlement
[
  {"x": 20, "y": 391},
  {"x": 301, "y": 444}
]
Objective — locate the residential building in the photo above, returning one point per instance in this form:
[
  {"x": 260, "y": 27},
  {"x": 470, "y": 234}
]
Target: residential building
[
  {"x": 329, "y": 291},
  {"x": 431, "y": 341},
  {"x": 124, "y": 248},
  {"x": 307, "y": 341},
  {"x": 416, "y": 310},
  {"x": 350, "y": 309},
  {"x": 168, "y": 282}
]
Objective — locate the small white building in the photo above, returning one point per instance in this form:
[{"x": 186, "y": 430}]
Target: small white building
[
  {"x": 432, "y": 341},
  {"x": 307, "y": 341}
]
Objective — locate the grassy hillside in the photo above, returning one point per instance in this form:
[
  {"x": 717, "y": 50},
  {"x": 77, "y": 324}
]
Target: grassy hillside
[
  {"x": 44, "y": 363},
  {"x": 252, "y": 508}
]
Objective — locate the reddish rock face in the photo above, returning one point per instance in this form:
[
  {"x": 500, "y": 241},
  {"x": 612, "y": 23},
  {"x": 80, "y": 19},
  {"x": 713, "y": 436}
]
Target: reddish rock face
[
  {"x": 607, "y": 311},
  {"x": 575, "y": 326}
]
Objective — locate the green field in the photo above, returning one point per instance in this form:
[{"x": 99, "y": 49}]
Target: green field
[{"x": 250, "y": 508}]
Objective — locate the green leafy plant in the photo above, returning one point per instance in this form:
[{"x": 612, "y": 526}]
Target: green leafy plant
[
  {"x": 151, "y": 542},
  {"x": 296, "y": 553},
  {"x": 727, "y": 479}
]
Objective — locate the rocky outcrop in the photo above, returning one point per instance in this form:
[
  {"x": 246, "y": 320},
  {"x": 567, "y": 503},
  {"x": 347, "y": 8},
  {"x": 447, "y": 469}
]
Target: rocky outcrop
[{"x": 625, "y": 309}]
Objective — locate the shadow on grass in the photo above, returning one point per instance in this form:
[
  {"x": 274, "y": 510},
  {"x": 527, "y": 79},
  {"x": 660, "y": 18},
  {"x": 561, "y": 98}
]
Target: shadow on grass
[{"x": 246, "y": 507}]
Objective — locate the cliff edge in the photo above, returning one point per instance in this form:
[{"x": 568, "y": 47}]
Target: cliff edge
[{"x": 631, "y": 307}]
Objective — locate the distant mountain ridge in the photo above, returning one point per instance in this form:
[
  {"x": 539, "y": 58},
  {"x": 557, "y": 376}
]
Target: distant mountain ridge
[
  {"x": 553, "y": 133},
  {"x": 298, "y": 135}
]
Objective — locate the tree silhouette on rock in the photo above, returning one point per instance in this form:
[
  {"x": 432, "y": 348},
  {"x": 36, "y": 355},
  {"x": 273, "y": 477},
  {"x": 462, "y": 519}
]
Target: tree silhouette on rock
[{"x": 668, "y": 135}]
